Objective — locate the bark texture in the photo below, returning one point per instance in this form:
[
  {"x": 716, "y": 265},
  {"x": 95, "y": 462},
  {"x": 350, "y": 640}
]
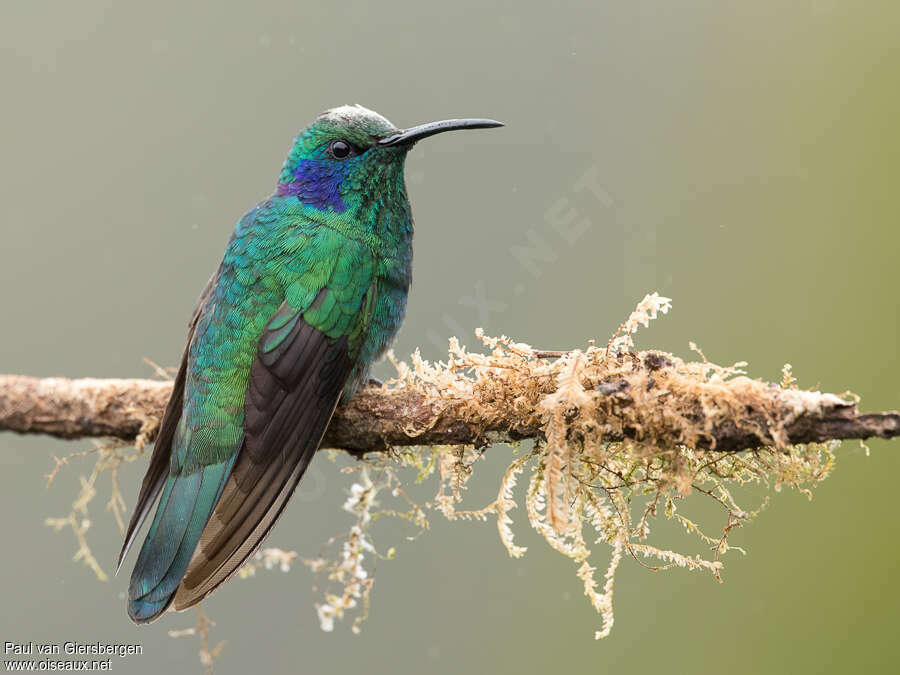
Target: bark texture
[{"x": 379, "y": 418}]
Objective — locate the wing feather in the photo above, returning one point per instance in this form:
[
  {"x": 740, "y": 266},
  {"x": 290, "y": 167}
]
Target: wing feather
[{"x": 295, "y": 384}]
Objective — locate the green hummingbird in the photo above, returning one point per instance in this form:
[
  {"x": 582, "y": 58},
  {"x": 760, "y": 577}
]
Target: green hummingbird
[{"x": 311, "y": 291}]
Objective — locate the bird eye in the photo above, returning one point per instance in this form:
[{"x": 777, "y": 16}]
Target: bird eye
[{"x": 341, "y": 149}]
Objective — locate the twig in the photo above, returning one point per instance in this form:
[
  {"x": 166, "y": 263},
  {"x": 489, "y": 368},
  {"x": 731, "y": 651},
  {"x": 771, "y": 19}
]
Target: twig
[{"x": 406, "y": 414}]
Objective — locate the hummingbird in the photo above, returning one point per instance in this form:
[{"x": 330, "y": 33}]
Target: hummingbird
[{"x": 310, "y": 292}]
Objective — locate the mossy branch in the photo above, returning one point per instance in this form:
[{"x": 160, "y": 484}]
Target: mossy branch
[
  {"x": 651, "y": 398},
  {"x": 621, "y": 437}
]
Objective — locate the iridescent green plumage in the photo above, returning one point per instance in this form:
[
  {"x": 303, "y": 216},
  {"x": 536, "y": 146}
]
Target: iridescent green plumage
[{"x": 311, "y": 290}]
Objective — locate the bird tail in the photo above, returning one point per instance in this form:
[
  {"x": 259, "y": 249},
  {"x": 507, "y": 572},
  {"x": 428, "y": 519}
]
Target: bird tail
[{"x": 187, "y": 501}]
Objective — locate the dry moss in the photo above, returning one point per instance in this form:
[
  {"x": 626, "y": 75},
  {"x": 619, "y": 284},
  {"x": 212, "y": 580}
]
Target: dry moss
[
  {"x": 667, "y": 419},
  {"x": 621, "y": 438}
]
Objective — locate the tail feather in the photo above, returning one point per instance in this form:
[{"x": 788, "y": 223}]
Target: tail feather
[
  {"x": 158, "y": 469},
  {"x": 184, "y": 508}
]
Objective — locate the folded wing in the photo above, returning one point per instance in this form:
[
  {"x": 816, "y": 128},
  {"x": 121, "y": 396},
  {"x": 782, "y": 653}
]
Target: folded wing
[{"x": 295, "y": 384}]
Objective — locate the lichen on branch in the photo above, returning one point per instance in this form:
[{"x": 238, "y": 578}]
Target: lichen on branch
[{"x": 618, "y": 438}]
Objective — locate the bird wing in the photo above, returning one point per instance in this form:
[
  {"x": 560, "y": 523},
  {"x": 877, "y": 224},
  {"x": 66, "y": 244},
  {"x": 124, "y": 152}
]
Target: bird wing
[
  {"x": 226, "y": 487},
  {"x": 295, "y": 384}
]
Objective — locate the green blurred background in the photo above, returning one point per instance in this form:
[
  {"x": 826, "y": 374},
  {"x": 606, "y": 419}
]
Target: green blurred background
[{"x": 746, "y": 156}]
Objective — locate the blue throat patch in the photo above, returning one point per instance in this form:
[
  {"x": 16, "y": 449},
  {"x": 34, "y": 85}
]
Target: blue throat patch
[{"x": 316, "y": 183}]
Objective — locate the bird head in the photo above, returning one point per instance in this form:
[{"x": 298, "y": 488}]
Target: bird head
[{"x": 350, "y": 156}]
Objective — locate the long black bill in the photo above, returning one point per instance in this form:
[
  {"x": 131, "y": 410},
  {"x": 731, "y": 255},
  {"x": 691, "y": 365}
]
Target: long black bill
[{"x": 410, "y": 136}]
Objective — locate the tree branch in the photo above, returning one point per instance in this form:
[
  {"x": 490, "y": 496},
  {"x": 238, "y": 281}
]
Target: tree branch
[{"x": 648, "y": 397}]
